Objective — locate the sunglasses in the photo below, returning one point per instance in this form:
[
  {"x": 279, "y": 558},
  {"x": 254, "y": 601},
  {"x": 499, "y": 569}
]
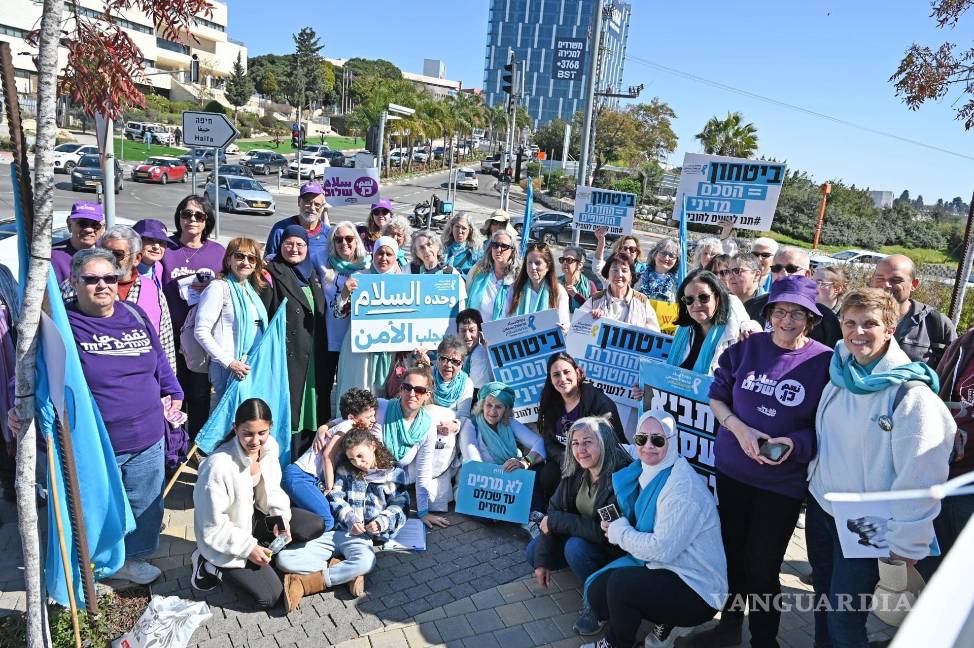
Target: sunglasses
[
  {"x": 503, "y": 247},
  {"x": 722, "y": 273},
  {"x": 451, "y": 361},
  {"x": 791, "y": 268},
  {"x": 658, "y": 440},
  {"x": 703, "y": 299},
  {"x": 92, "y": 280},
  {"x": 119, "y": 255},
  {"x": 666, "y": 255},
  {"x": 567, "y": 260},
  {"x": 151, "y": 242},
  {"x": 241, "y": 256},
  {"x": 420, "y": 391},
  {"x": 193, "y": 215},
  {"x": 348, "y": 240},
  {"x": 629, "y": 248},
  {"x": 737, "y": 271},
  {"x": 763, "y": 255},
  {"x": 538, "y": 245},
  {"x": 85, "y": 223}
]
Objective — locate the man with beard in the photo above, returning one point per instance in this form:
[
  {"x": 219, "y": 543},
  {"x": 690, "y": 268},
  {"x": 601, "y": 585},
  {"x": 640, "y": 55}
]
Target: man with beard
[
  {"x": 313, "y": 216},
  {"x": 85, "y": 222}
]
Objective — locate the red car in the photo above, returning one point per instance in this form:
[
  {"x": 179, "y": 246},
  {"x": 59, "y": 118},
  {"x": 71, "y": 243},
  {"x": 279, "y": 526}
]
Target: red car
[{"x": 160, "y": 169}]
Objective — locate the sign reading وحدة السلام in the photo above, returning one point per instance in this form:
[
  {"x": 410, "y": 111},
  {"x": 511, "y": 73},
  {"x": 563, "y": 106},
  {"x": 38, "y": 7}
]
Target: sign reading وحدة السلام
[{"x": 402, "y": 312}]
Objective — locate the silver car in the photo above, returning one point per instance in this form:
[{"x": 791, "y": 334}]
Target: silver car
[{"x": 240, "y": 194}]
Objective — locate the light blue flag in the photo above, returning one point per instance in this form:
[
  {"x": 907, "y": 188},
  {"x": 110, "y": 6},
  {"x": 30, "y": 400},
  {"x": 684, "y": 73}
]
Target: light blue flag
[
  {"x": 681, "y": 272},
  {"x": 267, "y": 380},
  {"x": 528, "y": 216},
  {"x": 61, "y": 381}
]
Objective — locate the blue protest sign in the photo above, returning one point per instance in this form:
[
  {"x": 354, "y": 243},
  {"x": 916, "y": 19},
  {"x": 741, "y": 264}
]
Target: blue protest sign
[
  {"x": 719, "y": 189},
  {"x": 402, "y": 312},
  {"x": 596, "y": 208},
  {"x": 518, "y": 348},
  {"x": 686, "y": 395},
  {"x": 610, "y": 353},
  {"x": 485, "y": 490}
]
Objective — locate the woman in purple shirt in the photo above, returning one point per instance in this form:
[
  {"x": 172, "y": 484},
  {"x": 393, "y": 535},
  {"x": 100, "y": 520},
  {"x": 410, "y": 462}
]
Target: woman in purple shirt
[
  {"x": 764, "y": 395},
  {"x": 191, "y": 261}
]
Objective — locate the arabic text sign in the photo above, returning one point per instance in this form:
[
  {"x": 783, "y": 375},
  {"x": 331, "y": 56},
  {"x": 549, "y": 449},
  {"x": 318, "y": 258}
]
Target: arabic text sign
[
  {"x": 402, "y": 312},
  {"x": 518, "y": 348},
  {"x": 603, "y": 208},
  {"x": 686, "y": 395},
  {"x": 720, "y": 188},
  {"x": 485, "y": 490},
  {"x": 610, "y": 353},
  {"x": 351, "y": 186},
  {"x": 207, "y": 129},
  {"x": 569, "y": 59}
]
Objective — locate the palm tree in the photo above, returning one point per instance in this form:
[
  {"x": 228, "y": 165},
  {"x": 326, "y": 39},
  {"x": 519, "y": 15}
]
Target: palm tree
[{"x": 729, "y": 136}]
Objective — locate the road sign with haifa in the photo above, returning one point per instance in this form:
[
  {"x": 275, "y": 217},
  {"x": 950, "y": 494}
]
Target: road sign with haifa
[{"x": 207, "y": 129}]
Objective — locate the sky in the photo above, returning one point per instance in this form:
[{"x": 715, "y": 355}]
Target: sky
[{"x": 833, "y": 58}]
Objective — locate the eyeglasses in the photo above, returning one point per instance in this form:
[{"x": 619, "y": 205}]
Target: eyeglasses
[
  {"x": 794, "y": 315},
  {"x": 92, "y": 280},
  {"x": 503, "y": 247},
  {"x": 420, "y": 391},
  {"x": 294, "y": 245},
  {"x": 666, "y": 255},
  {"x": 824, "y": 284},
  {"x": 722, "y": 273},
  {"x": 658, "y": 440},
  {"x": 193, "y": 215},
  {"x": 629, "y": 248},
  {"x": 565, "y": 259},
  {"x": 791, "y": 268},
  {"x": 763, "y": 255},
  {"x": 348, "y": 240},
  {"x": 119, "y": 255},
  {"x": 241, "y": 256},
  {"x": 737, "y": 271},
  {"x": 456, "y": 362},
  {"x": 703, "y": 299},
  {"x": 85, "y": 223}
]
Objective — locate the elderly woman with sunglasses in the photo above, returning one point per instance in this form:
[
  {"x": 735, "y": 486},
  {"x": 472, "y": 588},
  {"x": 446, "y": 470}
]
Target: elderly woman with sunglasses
[
  {"x": 461, "y": 243},
  {"x": 379, "y": 214},
  {"x": 536, "y": 287},
  {"x": 659, "y": 280},
  {"x": 577, "y": 285},
  {"x": 570, "y": 532},
  {"x": 762, "y": 460},
  {"x": 489, "y": 283},
  {"x": 674, "y": 570},
  {"x": 706, "y": 324}
]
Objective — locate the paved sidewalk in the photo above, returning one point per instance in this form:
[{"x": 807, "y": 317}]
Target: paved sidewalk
[{"x": 471, "y": 588}]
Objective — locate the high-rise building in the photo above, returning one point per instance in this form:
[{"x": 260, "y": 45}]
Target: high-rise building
[
  {"x": 536, "y": 30},
  {"x": 434, "y": 68}
]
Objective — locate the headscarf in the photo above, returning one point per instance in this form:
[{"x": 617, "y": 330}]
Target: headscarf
[
  {"x": 499, "y": 441},
  {"x": 849, "y": 374},
  {"x": 306, "y": 268},
  {"x": 669, "y": 431},
  {"x": 382, "y": 360},
  {"x": 389, "y": 242}
]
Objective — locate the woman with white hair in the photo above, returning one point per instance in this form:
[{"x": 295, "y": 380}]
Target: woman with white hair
[
  {"x": 489, "y": 283},
  {"x": 674, "y": 573},
  {"x": 707, "y": 249},
  {"x": 427, "y": 254},
  {"x": 493, "y": 435},
  {"x": 461, "y": 243},
  {"x": 398, "y": 228}
]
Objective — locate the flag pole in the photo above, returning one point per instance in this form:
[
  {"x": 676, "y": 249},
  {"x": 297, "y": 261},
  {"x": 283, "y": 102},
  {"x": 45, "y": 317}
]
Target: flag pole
[
  {"x": 179, "y": 471},
  {"x": 65, "y": 562}
]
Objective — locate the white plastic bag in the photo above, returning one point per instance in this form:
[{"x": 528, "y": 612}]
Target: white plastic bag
[{"x": 168, "y": 622}]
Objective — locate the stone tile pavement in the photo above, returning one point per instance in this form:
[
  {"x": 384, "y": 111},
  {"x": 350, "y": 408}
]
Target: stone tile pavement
[{"x": 471, "y": 588}]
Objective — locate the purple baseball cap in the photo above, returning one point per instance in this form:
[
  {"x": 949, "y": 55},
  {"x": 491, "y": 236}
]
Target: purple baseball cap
[
  {"x": 795, "y": 289},
  {"x": 311, "y": 187},
  {"x": 382, "y": 204},
  {"x": 87, "y": 210},
  {"x": 151, "y": 228}
]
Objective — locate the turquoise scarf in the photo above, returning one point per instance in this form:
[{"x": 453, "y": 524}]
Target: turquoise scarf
[
  {"x": 524, "y": 308},
  {"x": 583, "y": 286},
  {"x": 639, "y": 507},
  {"x": 851, "y": 375},
  {"x": 343, "y": 267},
  {"x": 500, "y": 442},
  {"x": 461, "y": 257},
  {"x": 446, "y": 394},
  {"x": 246, "y": 331},
  {"x": 478, "y": 284},
  {"x": 397, "y": 438},
  {"x": 681, "y": 346}
]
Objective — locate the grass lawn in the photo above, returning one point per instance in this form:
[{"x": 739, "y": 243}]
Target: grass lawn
[
  {"x": 337, "y": 143},
  {"x": 136, "y": 150},
  {"x": 919, "y": 255}
]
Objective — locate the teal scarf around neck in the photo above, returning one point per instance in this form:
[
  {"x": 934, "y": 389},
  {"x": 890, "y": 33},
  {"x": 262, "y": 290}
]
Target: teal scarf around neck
[
  {"x": 583, "y": 286},
  {"x": 524, "y": 306},
  {"x": 682, "y": 343},
  {"x": 246, "y": 331},
  {"x": 343, "y": 267},
  {"x": 447, "y": 393},
  {"x": 851, "y": 375},
  {"x": 499, "y": 441},
  {"x": 460, "y": 256},
  {"x": 476, "y": 293},
  {"x": 396, "y": 436}
]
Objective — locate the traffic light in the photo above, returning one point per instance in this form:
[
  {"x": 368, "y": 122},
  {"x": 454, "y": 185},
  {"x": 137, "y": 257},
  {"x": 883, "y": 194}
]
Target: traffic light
[{"x": 507, "y": 77}]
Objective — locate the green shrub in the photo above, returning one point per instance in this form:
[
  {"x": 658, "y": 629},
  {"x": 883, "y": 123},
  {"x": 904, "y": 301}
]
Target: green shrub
[
  {"x": 532, "y": 169},
  {"x": 214, "y": 106},
  {"x": 628, "y": 185}
]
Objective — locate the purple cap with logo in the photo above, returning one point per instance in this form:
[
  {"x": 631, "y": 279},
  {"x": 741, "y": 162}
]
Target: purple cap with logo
[
  {"x": 795, "y": 289},
  {"x": 152, "y": 229},
  {"x": 311, "y": 187},
  {"x": 87, "y": 210},
  {"x": 382, "y": 204}
]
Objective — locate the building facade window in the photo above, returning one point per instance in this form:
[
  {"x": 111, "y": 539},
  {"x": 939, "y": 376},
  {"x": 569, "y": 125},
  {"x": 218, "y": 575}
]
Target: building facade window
[
  {"x": 172, "y": 46},
  {"x": 7, "y": 30},
  {"x": 209, "y": 23}
]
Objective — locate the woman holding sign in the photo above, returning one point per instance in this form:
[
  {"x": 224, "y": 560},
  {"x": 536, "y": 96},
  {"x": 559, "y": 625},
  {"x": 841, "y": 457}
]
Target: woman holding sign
[
  {"x": 489, "y": 283},
  {"x": 619, "y": 301},
  {"x": 295, "y": 279},
  {"x": 706, "y": 324},
  {"x": 536, "y": 287},
  {"x": 674, "y": 568}
]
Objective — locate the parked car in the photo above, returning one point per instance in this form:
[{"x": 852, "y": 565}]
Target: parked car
[
  {"x": 311, "y": 167},
  {"x": 240, "y": 194},
  {"x": 421, "y": 156},
  {"x": 160, "y": 135},
  {"x": 438, "y": 152},
  {"x": 232, "y": 170},
  {"x": 467, "y": 179},
  {"x": 87, "y": 174},
  {"x": 854, "y": 257},
  {"x": 254, "y": 152},
  {"x": 266, "y": 162},
  {"x": 66, "y": 156},
  {"x": 136, "y": 131},
  {"x": 335, "y": 158},
  {"x": 201, "y": 159},
  {"x": 555, "y": 228},
  {"x": 232, "y": 149},
  {"x": 489, "y": 163},
  {"x": 160, "y": 169}
]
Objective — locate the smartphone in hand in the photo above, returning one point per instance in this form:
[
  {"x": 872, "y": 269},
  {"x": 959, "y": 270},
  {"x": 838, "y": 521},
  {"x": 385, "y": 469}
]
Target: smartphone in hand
[
  {"x": 609, "y": 513},
  {"x": 772, "y": 451}
]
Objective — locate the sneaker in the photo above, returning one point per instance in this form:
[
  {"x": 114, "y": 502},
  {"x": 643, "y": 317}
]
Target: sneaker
[
  {"x": 587, "y": 624},
  {"x": 203, "y": 577},
  {"x": 801, "y": 519},
  {"x": 138, "y": 571},
  {"x": 601, "y": 643},
  {"x": 664, "y": 636}
]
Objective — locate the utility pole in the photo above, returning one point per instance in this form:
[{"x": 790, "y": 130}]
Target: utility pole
[
  {"x": 595, "y": 43},
  {"x": 963, "y": 269},
  {"x": 826, "y": 190}
]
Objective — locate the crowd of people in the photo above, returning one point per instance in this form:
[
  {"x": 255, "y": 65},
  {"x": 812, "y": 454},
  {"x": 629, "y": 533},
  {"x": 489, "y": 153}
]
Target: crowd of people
[{"x": 818, "y": 386}]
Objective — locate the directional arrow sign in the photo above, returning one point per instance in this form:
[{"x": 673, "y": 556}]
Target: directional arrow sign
[{"x": 207, "y": 129}]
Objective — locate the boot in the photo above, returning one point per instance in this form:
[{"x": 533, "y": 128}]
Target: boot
[
  {"x": 297, "y": 586},
  {"x": 726, "y": 633}
]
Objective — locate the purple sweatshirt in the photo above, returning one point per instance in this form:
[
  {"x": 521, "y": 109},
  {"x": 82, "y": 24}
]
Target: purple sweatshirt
[
  {"x": 180, "y": 261},
  {"x": 775, "y": 391},
  {"x": 61, "y": 254},
  {"x": 128, "y": 374}
]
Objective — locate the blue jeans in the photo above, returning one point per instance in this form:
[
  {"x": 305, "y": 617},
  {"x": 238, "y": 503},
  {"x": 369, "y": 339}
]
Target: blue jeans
[
  {"x": 143, "y": 474},
  {"x": 312, "y": 556},
  {"x": 584, "y": 558},
  {"x": 303, "y": 490},
  {"x": 848, "y": 583}
]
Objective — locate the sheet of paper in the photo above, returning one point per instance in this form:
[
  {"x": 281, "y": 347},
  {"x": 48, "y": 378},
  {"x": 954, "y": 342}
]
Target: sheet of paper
[{"x": 411, "y": 537}]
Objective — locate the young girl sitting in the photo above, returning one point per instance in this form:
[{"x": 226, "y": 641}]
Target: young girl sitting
[{"x": 369, "y": 503}]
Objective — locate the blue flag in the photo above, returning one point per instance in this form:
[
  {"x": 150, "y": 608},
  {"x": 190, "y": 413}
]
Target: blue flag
[
  {"x": 681, "y": 272},
  {"x": 62, "y": 394},
  {"x": 528, "y": 215},
  {"x": 267, "y": 380}
]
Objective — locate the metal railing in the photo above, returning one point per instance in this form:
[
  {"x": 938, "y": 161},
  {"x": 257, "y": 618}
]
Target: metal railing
[{"x": 172, "y": 46}]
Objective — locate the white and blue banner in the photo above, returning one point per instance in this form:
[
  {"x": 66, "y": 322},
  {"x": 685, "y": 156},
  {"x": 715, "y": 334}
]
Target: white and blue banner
[
  {"x": 596, "y": 208},
  {"x": 686, "y": 395},
  {"x": 402, "y": 312},
  {"x": 717, "y": 189},
  {"x": 518, "y": 348},
  {"x": 610, "y": 353},
  {"x": 485, "y": 490}
]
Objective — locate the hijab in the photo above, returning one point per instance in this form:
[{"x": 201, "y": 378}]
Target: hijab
[{"x": 304, "y": 269}]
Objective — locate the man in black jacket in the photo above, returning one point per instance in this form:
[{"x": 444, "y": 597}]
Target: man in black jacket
[{"x": 794, "y": 261}]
